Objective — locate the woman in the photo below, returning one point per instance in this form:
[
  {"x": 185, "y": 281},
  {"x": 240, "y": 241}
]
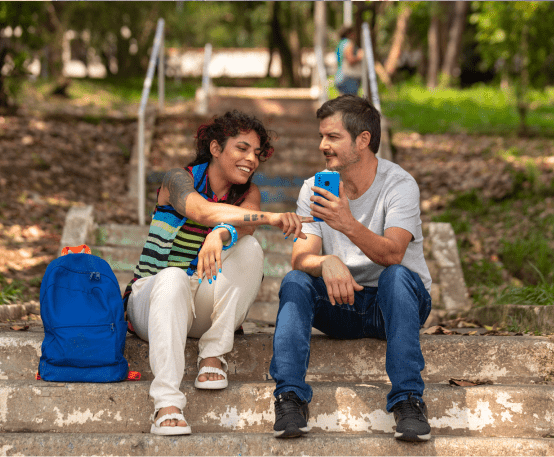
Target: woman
[
  {"x": 349, "y": 58},
  {"x": 201, "y": 268}
]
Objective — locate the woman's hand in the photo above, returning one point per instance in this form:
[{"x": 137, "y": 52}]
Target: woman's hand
[
  {"x": 290, "y": 223},
  {"x": 209, "y": 257}
]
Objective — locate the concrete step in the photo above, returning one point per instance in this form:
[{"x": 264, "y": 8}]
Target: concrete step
[
  {"x": 508, "y": 411},
  {"x": 495, "y": 359},
  {"x": 53, "y": 444}
]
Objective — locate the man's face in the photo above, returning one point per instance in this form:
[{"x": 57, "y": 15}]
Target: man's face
[{"x": 336, "y": 144}]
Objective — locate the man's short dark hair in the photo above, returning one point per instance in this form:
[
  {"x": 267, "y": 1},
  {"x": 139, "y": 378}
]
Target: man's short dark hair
[{"x": 358, "y": 115}]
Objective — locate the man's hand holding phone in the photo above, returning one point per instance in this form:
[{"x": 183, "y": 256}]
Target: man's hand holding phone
[{"x": 334, "y": 210}]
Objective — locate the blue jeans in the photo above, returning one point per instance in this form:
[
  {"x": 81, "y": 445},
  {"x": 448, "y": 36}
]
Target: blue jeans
[
  {"x": 395, "y": 311},
  {"x": 347, "y": 85}
]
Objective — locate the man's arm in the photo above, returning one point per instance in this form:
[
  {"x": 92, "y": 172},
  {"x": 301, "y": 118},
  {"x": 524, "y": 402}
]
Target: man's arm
[
  {"x": 336, "y": 275},
  {"x": 383, "y": 250}
]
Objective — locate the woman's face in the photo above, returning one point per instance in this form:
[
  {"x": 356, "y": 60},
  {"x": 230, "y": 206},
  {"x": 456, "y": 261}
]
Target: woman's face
[{"x": 239, "y": 159}]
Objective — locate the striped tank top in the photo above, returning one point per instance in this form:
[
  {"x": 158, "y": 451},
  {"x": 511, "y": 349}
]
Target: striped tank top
[{"x": 174, "y": 240}]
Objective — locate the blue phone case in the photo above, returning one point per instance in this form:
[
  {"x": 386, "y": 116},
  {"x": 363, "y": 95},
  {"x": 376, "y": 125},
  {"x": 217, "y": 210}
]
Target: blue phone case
[{"x": 328, "y": 180}]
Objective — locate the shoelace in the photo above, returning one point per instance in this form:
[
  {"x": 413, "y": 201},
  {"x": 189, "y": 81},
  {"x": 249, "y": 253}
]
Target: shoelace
[
  {"x": 411, "y": 408},
  {"x": 285, "y": 405}
]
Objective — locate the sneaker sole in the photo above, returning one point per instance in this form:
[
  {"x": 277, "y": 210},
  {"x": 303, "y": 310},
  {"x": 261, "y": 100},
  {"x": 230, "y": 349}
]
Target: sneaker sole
[
  {"x": 413, "y": 438},
  {"x": 290, "y": 433}
]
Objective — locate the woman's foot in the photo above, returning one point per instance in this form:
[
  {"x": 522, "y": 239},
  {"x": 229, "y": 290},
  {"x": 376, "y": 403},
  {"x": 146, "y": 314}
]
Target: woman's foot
[
  {"x": 211, "y": 375},
  {"x": 210, "y": 362},
  {"x": 170, "y": 422}
]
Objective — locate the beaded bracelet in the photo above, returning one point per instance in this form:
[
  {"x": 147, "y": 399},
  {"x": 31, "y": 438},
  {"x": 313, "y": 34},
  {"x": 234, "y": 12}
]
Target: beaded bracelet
[{"x": 232, "y": 230}]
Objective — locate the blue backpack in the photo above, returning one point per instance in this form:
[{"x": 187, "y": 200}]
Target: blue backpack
[{"x": 84, "y": 325}]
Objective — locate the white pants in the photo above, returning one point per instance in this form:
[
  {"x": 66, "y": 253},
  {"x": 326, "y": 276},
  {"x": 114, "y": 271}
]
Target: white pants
[{"x": 169, "y": 306}]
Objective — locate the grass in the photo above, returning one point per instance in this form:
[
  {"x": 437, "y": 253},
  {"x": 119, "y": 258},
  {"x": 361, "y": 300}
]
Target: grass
[
  {"x": 522, "y": 272},
  {"x": 113, "y": 92},
  {"x": 10, "y": 291},
  {"x": 477, "y": 110}
]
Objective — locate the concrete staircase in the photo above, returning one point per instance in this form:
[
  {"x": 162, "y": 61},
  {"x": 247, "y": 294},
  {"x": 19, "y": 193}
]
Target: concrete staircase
[
  {"x": 486, "y": 395},
  {"x": 506, "y": 412}
]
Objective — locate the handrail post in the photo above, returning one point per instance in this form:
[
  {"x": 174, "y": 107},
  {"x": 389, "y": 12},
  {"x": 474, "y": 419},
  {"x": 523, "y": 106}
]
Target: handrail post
[
  {"x": 369, "y": 73},
  {"x": 141, "y": 168},
  {"x": 161, "y": 73},
  {"x": 206, "y": 68},
  {"x": 369, "y": 67},
  {"x": 321, "y": 73},
  {"x": 202, "y": 94}
]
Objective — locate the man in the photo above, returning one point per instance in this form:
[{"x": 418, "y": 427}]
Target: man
[{"x": 370, "y": 280}]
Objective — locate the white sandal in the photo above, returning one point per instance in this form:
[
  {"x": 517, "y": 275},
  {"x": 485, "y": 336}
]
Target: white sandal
[
  {"x": 219, "y": 384},
  {"x": 157, "y": 429}
]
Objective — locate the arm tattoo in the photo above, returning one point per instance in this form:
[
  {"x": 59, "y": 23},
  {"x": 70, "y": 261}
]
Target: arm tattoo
[
  {"x": 253, "y": 217},
  {"x": 180, "y": 184}
]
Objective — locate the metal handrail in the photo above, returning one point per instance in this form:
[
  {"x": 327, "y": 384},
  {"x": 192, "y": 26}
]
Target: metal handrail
[
  {"x": 321, "y": 73},
  {"x": 369, "y": 68},
  {"x": 203, "y": 94},
  {"x": 156, "y": 55}
]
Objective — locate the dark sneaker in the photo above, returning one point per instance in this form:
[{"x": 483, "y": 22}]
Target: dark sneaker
[
  {"x": 411, "y": 420},
  {"x": 291, "y": 416}
]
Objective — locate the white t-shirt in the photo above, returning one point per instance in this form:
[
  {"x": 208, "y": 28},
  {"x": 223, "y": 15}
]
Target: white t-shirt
[{"x": 391, "y": 201}]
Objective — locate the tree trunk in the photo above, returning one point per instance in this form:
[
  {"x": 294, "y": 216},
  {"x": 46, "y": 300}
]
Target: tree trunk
[
  {"x": 282, "y": 45},
  {"x": 4, "y": 99},
  {"x": 398, "y": 40},
  {"x": 523, "y": 83},
  {"x": 450, "y": 67},
  {"x": 294, "y": 45},
  {"x": 434, "y": 50},
  {"x": 55, "y": 60}
]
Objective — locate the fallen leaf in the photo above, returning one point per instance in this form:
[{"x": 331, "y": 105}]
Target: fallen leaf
[
  {"x": 464, "y": 324},
  {"x": 20, "y": 328},
  {"x": 465, "y": 383},
  {"x": 461, "y": 383},
  {"x": 438, "y": 330}
]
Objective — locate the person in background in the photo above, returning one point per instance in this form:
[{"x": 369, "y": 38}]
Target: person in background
[
  {"x": 360, "y": 273},
  {"x": 349, "y": 59},
  {"x": 201, "y": 269}
]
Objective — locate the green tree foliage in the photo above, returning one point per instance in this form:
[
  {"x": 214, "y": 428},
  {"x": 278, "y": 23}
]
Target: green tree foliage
[
  {"x": 504, "y": 27},
  {"x": 21, "y": 35},
  {"x": 517, "y": 39}
]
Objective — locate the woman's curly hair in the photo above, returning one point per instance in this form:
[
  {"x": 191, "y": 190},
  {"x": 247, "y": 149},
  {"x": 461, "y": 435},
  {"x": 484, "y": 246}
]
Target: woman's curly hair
[{"x": 221, "y": 128}]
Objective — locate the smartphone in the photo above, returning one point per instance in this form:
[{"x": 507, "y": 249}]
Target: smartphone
[{"x": 328, "y": 180}]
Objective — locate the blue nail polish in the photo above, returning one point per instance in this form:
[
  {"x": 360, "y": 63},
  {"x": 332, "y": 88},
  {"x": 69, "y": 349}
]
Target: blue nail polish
[
  {"x": 210, "y": 281},
  {"x": 220, "y": 270},
  {"x": 286, "y": 237},
  {"x": 199, "y": 281},
  {"x": 295, "y": 240},
  {"x": 215, "y": 277}
]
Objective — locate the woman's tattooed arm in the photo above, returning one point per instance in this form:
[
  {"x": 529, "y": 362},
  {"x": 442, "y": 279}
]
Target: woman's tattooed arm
[{"x": 180, "y": 184}]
